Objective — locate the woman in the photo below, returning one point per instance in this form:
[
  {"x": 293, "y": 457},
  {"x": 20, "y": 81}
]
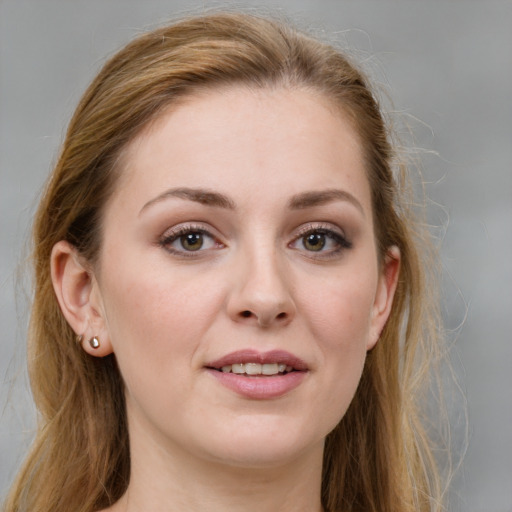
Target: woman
[{"x": 229, "y": 309}]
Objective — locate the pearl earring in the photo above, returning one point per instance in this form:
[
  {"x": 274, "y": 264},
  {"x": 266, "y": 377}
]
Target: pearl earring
[{"x": 94, "y": 342}]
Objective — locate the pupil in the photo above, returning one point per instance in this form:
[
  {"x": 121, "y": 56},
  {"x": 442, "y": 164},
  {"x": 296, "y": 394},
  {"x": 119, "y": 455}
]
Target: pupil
[
  {"x": 192, "y": 241},
  {"x": 314, "y": 241}
]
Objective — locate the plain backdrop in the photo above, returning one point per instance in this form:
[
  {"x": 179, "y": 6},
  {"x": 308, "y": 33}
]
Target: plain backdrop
[{"x": 448, "y": 68}]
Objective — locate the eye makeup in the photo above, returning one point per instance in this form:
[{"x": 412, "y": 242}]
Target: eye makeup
[
  {"x": 321, "y": 241},
  {"x": 189, "y": 240}
]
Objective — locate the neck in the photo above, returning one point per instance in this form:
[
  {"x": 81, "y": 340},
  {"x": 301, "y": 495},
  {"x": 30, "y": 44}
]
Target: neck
[{"x": 170, "y": 481}]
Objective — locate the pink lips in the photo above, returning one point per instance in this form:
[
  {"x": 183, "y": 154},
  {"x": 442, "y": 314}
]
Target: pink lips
[
  {"x": 252, "y": 356},
  {"x": 259, "y": 387}
]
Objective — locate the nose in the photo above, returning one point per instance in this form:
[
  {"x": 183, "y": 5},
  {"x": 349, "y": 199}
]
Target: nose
[{"x": 261, "y": 294}]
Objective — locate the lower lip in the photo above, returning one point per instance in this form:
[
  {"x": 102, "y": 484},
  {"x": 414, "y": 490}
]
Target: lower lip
[{"x": 259, "y": 387}]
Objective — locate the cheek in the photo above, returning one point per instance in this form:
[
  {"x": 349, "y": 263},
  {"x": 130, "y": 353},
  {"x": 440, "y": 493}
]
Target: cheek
[
  {"x": 340, "y": 313},
  {"x": 339, "y": 319},
  {"x": 154, "y": 320}
]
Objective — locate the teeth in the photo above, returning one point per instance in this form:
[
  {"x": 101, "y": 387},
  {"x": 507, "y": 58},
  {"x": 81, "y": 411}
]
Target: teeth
[
  {"x": 238, "y": 368},
  {"x": 253, "y": 369},
  {"x": 270, "y": 369},
  {"x": 257, "y": 368}
]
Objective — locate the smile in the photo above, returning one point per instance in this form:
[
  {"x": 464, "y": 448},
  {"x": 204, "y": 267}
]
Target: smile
[
  {"x": 257, "y": 368},
  {"x": 253, "y": 362},
  {"x": 259, "y": 375}
]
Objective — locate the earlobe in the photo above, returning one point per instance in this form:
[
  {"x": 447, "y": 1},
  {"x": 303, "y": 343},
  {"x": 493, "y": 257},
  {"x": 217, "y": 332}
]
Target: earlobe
[
  {"x": 386, "y": 288},
  {"x": 74, "y": 286}
]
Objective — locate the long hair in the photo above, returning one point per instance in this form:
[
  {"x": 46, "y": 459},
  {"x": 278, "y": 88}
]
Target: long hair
[{"x": 378, "y": 458}]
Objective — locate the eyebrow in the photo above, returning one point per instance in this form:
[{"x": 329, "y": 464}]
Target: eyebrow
[
  {"x": 297, "y": 202},
  {"x": 198, "y": 195},
  {"x": 321, "y": 197}
]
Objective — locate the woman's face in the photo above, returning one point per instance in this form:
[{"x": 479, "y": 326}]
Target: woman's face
[{"x": 238, "y": 281}]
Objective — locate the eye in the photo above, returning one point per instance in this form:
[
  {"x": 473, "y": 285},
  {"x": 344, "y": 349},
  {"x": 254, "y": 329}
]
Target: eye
[
  {"x": 188, "y": 239},
  {"x": 314, "y": 241},
  {"x": 321, "y": 240},
  {"x": 192, "y": 241}
]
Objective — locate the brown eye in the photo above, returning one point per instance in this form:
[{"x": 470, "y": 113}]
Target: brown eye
[
  {"x": 186, "y": 240},
  {"x": 321, "y": 242},
  {"x": 314, "y": 241},
  {"x": 192, "y": 241}
]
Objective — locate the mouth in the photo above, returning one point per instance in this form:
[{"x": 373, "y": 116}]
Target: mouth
[
  {"x": 256, "y": 369},
  {"x": 254, "y": 363},
  {"x": 257, "y": 375}
]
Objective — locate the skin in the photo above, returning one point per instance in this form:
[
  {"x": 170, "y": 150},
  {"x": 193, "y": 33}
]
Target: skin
[{"x": 255, "y": 283}]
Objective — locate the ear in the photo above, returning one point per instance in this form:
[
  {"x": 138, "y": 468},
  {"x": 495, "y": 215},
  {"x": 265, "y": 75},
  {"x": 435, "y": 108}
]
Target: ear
[
  {"x": 386, "y": 287},
  {"x": 79, "y": 297}
]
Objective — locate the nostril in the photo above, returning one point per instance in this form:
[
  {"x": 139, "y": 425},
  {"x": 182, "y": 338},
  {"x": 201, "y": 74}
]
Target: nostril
[{"x": 263, "y": 319}]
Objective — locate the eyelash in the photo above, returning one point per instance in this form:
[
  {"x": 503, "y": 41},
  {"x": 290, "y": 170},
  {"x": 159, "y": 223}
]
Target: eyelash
[
  {"x": 342, "y": 243},
  {"x": 177, "y": 233},
  {"x": 331, "y": 235}
]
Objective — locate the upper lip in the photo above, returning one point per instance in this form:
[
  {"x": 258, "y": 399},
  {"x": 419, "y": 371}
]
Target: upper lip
[{"x": 253, "y": 356}]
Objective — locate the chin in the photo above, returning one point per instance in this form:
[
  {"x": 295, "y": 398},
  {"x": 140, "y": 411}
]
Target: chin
[
  {"x": 262, "y": 443},
  {"x": 262, "y": 456}
]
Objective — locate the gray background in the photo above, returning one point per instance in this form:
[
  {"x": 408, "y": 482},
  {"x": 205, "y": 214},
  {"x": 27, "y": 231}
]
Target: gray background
[{"x": 448, "y": 66}]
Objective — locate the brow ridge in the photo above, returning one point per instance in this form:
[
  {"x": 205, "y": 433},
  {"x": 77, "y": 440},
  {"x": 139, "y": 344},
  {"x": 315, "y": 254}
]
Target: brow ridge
[
  {"x": 197, "y": 195},
  {"x": 300, "y": 201},
  {"x": 320, "y": 197}
]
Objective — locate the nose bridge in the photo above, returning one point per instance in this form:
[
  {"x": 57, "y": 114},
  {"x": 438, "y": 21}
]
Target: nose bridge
[{"x": 262, "y": 291}]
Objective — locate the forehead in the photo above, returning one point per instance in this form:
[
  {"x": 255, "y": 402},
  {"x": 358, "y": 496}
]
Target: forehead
[{"x": 238, "y": 139}]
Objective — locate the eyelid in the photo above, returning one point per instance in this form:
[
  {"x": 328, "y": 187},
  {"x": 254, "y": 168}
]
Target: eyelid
[
  {"x": 319, "y": 226},
  {"x": 324, "y": 227},
  {"x": 185, "y": 227},
  {"x": 331, "y": 231},
  {"x": 174, "y": 233}
]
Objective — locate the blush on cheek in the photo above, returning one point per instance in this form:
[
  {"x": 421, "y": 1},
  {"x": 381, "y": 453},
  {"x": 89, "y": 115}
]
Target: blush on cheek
[{"x": 342, "y": 317}]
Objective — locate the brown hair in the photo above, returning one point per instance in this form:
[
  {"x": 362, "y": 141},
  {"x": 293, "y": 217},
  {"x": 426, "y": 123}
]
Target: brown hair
[{"x": 378, "y": 458}]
